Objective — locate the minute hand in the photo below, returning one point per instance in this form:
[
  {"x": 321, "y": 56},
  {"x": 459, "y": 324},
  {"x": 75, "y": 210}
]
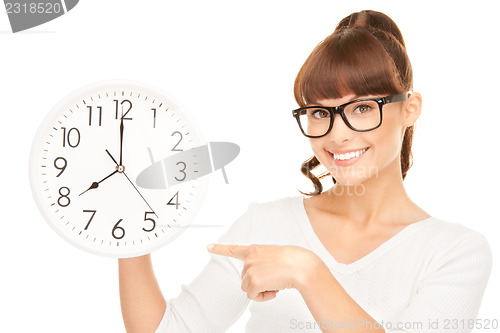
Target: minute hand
[{"x": 121, "y": 139}]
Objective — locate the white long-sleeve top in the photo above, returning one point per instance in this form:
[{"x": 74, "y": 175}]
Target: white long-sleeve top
[{"x": 429, "y": 277}]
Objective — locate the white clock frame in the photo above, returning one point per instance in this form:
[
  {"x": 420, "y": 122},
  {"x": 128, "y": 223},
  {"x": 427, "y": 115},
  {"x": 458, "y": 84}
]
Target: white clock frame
[{"x": 59, "y": 132}]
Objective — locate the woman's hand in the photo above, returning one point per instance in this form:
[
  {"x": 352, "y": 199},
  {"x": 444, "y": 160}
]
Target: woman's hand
[{"x": 270, "y": 268}]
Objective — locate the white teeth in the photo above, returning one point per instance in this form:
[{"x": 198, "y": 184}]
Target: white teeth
[{"x": 348, "y": 155}]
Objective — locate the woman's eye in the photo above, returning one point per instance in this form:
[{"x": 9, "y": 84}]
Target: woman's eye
[
  {"x": 319, "y": 114},
  {"x": 363, "y": 108}
]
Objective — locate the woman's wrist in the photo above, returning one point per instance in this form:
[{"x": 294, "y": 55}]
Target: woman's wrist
[{"x": 309, "y": 273}]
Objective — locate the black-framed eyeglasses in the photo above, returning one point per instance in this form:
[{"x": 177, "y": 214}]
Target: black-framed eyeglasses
[{"x": 361, "y": 115}]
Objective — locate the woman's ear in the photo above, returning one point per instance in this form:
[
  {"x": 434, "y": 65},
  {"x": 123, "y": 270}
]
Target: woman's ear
[{"x": 412, "y": 109}]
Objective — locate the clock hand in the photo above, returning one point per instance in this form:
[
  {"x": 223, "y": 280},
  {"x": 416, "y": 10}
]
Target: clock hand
[
  {"x": 121, "y": 139},
  {"x": 96, "y": 184},
  {"x": 139, "y": 193},
  {"x": 121, "y": 170},
  {"x": 111, "y": 157}
]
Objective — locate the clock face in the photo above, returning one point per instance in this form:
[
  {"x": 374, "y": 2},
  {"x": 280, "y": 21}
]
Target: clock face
[{"x": 115, "y": 167}]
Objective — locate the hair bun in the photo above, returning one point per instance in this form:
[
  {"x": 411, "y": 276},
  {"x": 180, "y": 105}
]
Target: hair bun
[{"x": 373, "y": 20}]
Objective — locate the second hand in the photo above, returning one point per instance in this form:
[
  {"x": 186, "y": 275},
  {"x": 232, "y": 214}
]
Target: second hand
[{"x": 121, "y": 170}]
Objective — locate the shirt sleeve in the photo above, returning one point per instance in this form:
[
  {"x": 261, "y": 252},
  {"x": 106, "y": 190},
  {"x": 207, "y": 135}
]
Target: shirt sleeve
[
  {"x": 448, "y": 297},
  {"x": 213, "y": 301}
]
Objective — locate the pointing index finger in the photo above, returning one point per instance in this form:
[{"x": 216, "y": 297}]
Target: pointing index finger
[{"x": 229, "y": 250}]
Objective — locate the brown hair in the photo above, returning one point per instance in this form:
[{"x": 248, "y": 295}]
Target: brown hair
[{"x": 365, "y": 55}]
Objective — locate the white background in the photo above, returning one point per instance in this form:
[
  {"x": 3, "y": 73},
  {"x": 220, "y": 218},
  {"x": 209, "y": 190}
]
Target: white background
[{"x": 232, "y": 64}]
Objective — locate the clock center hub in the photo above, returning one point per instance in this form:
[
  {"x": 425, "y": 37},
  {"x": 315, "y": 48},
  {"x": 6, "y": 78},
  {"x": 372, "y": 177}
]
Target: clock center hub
[{"x": 120, "y": 168}]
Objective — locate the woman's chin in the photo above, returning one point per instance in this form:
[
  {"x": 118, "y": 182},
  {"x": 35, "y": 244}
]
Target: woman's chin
[
  {"x": 354, "y": 175},
  {"x": 345, "y": 182}
]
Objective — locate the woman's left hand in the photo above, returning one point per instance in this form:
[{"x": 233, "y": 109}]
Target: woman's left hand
[{"x": 270, "y": 268}]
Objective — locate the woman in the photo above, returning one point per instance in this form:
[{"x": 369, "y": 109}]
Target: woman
[{"x": 361, "y": 256}]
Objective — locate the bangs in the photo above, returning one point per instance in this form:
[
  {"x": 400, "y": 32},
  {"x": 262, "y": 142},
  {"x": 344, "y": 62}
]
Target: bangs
[{"x": 350, "y": 61}]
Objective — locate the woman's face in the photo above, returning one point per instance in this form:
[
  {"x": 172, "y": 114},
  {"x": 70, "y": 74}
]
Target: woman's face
[{"x": 382, "y": 146}]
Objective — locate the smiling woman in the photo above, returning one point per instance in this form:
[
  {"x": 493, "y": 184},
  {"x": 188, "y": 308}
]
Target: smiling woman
[
  {"x": 366, "y": 55},
  {"x": 359, "y": 257}
]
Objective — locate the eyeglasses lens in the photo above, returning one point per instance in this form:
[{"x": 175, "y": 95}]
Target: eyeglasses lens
[{"x": 363, "y": 115}]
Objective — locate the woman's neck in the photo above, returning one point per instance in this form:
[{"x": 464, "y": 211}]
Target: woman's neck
[{"x": 380, "y": 199}]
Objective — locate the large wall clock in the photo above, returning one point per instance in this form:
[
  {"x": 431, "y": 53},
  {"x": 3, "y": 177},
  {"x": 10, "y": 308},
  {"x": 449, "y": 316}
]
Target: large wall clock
[{"x": 90, "y": 162}]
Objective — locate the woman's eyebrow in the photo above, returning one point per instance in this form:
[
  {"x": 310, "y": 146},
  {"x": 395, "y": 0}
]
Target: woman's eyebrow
[
  {"x": 352, "y": 99},
  {"x": 356, "y": 97}
]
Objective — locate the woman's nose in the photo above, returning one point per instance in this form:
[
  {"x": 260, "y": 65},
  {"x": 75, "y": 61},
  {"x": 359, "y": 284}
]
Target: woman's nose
[{"x": 340, "y": 131}]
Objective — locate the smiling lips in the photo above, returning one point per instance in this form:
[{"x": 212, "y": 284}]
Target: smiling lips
[{"x": 349, "y": 155}]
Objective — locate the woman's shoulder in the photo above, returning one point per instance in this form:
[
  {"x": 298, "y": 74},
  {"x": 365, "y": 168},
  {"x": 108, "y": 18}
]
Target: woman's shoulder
[
  {"x": 443, "y": 230},
  {"x": 456, "y": 241},
  {"x": 278, "y": 210},
  {"x": 260, "y": 215},
  {"x": 277, "y": 204}
]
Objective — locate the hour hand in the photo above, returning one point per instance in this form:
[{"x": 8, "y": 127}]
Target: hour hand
[{"x": 96, "y": 184}]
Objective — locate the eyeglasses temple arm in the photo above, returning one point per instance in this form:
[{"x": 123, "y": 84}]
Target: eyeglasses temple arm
[{"x": 398, "y": 98}]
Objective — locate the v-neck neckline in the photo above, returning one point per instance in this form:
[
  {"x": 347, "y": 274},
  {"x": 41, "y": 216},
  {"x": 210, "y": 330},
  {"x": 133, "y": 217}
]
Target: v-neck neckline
[{"x": 317, "y": 246}]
